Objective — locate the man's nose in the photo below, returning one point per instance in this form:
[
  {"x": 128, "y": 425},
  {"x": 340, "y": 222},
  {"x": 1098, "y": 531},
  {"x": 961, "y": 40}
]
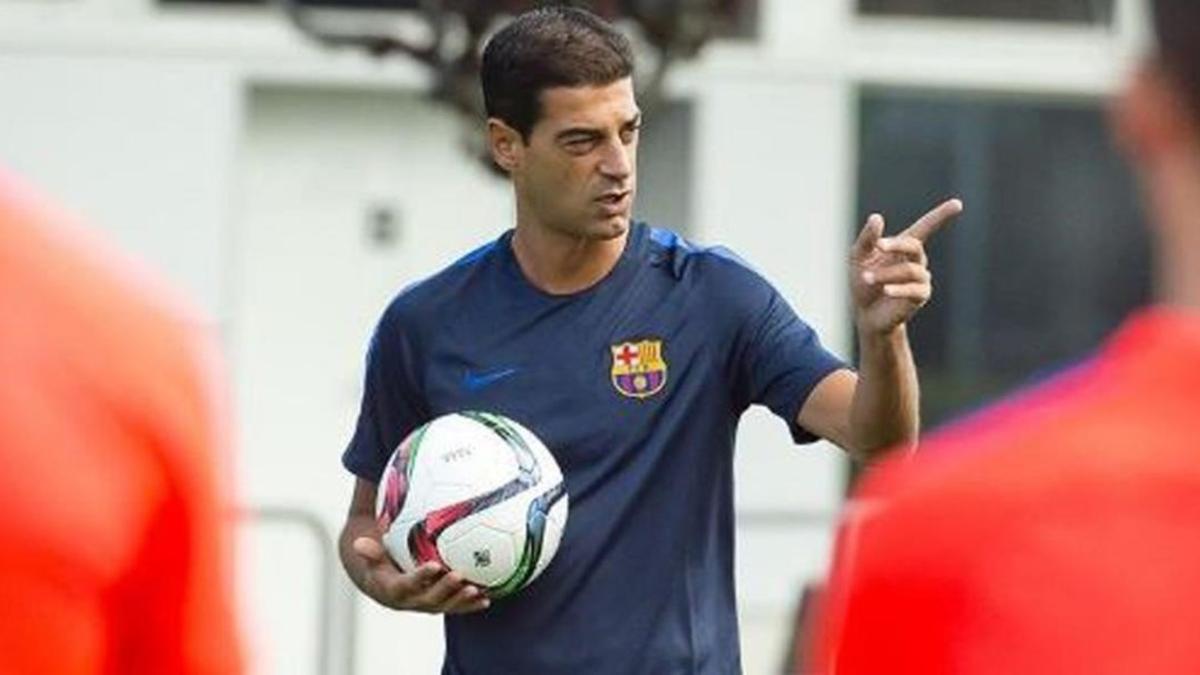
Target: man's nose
[{"x": 617, "y": 162}]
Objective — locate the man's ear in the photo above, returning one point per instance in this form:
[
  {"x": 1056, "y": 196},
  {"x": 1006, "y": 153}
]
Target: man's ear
[
  {"x": 1151, "y": 117},
  {"x": 506, "y": 144}
]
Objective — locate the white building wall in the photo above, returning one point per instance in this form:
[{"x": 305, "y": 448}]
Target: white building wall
[
  {"x": 142, "y": 149},
  {"x": 773, "y": 183}
]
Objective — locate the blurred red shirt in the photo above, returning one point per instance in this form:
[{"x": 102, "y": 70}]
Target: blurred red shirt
[
  {"x": 1057, "y": 533},
  {"x": 113, "y": 557}
]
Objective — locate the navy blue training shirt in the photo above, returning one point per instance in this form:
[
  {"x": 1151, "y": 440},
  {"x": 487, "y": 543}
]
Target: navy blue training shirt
[{"x": 636, "y": 386}]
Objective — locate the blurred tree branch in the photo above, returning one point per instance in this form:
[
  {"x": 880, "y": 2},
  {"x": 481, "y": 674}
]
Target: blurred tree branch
[{"x": 671, "y": 30}]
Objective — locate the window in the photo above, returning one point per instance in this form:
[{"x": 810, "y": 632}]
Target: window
[
  {"x": 1050, "y": 256},
  {"x": 1067, "y": 11}
]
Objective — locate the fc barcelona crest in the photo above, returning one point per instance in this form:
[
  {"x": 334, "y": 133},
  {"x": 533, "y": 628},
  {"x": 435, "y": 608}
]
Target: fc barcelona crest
[{"x": 638, "y": 368}]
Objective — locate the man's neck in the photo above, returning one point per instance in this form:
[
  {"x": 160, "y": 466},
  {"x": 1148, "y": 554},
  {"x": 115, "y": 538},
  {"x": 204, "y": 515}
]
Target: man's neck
[
  {"x": 1175, "y": 207},
  {"x": 560, "y": 264}
]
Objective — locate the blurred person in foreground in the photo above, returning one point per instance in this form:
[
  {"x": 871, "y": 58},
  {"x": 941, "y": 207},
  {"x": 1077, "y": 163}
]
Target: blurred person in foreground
[
  {"x": 632, "y": 353},
  {"x": 113, "y": 556},
  {"x": 1057, "y": 532}
]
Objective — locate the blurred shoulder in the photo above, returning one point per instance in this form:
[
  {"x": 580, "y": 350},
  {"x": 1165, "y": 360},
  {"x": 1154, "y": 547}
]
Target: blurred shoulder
[
  {"x": 86, "y": 300},
  {"x": 1027, "y": 438},
  {"x": 79, "y": 311}
]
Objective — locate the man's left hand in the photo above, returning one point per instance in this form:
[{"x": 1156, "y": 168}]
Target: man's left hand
[{"x": 889, "y": 276}]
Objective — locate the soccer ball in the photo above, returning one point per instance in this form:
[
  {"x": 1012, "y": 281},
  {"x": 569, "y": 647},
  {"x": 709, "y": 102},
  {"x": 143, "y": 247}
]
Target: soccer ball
[{"x": 479, "y": 494}]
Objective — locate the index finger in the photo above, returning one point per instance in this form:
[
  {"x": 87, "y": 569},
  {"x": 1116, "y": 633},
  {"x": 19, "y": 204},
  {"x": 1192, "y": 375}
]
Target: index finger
[
  {"x": 869, "y": 235},
  {"x": 933, "y": 221}
]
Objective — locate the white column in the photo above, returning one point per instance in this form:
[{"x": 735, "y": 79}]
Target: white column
[{"x": 774, "y": 161}]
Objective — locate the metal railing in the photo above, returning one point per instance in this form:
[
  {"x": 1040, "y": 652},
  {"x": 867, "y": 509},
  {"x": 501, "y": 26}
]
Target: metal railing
[{"x": 328, "y": 570}]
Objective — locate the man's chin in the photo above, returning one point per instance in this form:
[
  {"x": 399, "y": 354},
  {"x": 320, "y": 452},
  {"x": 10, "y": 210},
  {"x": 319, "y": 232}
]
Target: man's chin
[
  {"x": 603, "y": 228},
  {"x": 609, "y": 228}
]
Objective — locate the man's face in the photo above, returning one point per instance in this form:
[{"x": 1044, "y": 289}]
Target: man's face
[{"x": 578, "y": 171}]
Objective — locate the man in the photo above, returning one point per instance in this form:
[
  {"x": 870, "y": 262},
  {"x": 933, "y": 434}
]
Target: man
[
  {"x": 1057, "y": 532},
  {"x": 542, "y": 324},
  {"x": 113, "y": 553}
]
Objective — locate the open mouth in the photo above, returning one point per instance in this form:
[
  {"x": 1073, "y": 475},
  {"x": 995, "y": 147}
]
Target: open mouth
[{"x": 614, "y": 200}]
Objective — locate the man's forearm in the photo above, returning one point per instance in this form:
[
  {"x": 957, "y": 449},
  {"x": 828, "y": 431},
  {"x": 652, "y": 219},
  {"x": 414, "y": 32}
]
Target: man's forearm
[{"x": 886, "y": 408}]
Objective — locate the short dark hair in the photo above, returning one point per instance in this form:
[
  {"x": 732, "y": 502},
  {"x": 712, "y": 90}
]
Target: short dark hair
[
  {"x": 1178, "y": 25},
  {"x": 555, "y": 46}
]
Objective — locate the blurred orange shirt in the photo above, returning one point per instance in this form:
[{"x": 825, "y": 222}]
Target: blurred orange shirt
[
  {"x": 1057, "y": 533},
  {"x": 113, "y": 557}
]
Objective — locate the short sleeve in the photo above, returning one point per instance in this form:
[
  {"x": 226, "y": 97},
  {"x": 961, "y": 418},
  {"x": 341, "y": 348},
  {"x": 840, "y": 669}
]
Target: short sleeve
[
  {"x": 782, "y": 359},
  {"x": 390, "y": 406}
]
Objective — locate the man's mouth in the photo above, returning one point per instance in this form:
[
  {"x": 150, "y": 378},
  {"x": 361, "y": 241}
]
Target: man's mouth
[{"x": 615, "y": 201}]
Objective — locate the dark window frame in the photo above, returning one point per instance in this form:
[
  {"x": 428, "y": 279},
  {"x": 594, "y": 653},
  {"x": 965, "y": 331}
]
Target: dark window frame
[{"x": 1068, "y": 12}]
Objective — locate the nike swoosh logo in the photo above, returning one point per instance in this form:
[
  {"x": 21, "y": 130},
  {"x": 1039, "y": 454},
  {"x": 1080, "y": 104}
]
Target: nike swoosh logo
[{"x": 481, "y": 381}]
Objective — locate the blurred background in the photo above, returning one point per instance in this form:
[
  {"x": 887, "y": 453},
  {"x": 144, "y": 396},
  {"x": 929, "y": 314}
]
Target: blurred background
[{"x": 293, "y": 189}]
